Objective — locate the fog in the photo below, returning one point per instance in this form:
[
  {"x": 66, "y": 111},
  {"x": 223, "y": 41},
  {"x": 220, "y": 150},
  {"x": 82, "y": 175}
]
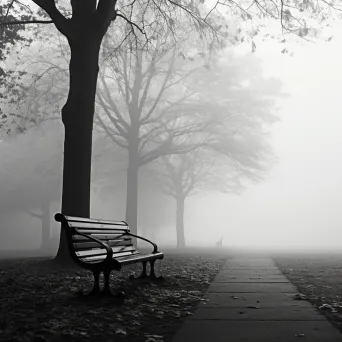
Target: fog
[
  {"x": 299, "y": 207},
  {"x": 296, "y": 208}
]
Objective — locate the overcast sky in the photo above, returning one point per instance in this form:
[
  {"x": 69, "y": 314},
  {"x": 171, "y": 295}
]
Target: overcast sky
[{"x": 301, "y": 203}]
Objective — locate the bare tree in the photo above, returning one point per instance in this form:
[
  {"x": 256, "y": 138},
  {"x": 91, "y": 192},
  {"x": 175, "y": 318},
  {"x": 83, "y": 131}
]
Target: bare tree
[
  {"x": 236, "y": 148},
  {"x": 33, "y": 188},
  {"x": 147, "y": 107},
  {"x": 182, "y": 176}
]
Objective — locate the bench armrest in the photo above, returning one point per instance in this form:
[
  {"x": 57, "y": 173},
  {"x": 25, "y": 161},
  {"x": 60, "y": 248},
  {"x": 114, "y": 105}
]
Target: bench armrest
[
  {"x": 103, "y": 244},
  {"x": 155, "y": 247}
]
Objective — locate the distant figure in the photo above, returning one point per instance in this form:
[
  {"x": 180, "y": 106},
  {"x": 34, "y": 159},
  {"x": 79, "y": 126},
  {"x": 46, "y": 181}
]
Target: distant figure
[{"x": 219, "y": 243}]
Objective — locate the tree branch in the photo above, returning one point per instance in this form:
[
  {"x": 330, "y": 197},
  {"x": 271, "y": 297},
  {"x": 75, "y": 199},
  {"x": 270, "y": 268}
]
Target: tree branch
[
  {"x": 162, "y": 89},
  {"x": 111, "y": 102},
  {"x": 114, "y": 121},
  {"x": 34, "y": 214},
  {"x": 62, "y": 24},
  {"x": 132, "y": 24},
  {"x": 109, "y": 133},
  {"x": 24, "y": 22}
]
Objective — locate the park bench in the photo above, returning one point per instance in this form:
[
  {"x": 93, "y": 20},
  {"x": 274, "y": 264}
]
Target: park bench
[{"x": 104, "y": 246}]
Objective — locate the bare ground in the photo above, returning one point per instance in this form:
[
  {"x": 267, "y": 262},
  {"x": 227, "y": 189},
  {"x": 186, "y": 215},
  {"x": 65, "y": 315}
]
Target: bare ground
[
  {"x": 41, "y": 302},
  {"x": 319, "y": 278}
]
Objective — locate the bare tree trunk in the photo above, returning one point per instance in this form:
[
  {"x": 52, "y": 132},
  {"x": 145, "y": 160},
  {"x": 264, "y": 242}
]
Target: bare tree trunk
[
  {"x": 180, "y": 221},
  {"x": 132, "y": 188},
  {"x": 77, "y": 117}
]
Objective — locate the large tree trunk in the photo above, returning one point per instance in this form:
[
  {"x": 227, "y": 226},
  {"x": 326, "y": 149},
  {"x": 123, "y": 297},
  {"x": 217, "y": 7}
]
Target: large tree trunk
[
  {"x": 180, "y": 221},
  {"x": 77, "y": 117},
  {"x": 132, "y": 187}
]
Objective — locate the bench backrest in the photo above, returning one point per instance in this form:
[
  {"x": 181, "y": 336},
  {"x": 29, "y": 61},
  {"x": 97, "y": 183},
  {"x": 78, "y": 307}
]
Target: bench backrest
[{"x": 110, "y": 232}]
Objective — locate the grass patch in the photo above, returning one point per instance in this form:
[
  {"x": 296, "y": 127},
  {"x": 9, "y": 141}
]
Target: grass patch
[
  {"x": 319, "y": 278},
  {"x": 39, "y": 301}
]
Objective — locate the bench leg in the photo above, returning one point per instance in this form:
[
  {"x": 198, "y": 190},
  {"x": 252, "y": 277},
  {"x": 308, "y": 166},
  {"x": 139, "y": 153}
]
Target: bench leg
[
  {"x": 96, "y": 288},
  {"x": 106, "y": 289},
  {"x": 143, "y": 274},
  {"x": 152, "y": 274}
]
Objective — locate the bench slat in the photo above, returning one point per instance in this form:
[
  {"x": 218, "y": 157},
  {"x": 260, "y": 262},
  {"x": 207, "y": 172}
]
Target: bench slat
[
  {"x": 93, "y": 258},
  {"x": 86, "y": 245},
  {"x": 102, "y": 237},
  {"x": 100, "y": 231},
  {"x": 84, "y": 219},
  {"x": 94, "y": 261},
  {"x": 85, "y": 225},
  {"x": 116, "y": 251},
  {"x": 101, "y": 257},
  {"x": 125, "y": 260},
  {"x": 91, "y": 252}
]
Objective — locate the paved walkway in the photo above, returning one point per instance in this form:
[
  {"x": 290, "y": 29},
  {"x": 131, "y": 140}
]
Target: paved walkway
[{"x": 250, "y": 300}]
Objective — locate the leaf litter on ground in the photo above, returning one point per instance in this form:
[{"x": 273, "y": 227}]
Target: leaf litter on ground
[
  {"x": 319, "y": 281},
  {"x": 39, "y": 301}
]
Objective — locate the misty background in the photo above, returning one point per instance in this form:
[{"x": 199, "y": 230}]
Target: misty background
[
  {"x": 296, "y": 207},
  {"x": 299, "y": 206}
]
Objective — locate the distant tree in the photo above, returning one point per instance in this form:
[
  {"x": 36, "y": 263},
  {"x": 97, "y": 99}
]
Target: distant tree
[
  {"x": 141, "y": 95},
  {"x": 165, "y": 106},
  {"x": 109, "y": 183},
  {"x": 198, "y": 172},
  {"x": 156, "y": 210},
  {"x": 236, "y": 150},
  {"x": 30, "y": 174}
]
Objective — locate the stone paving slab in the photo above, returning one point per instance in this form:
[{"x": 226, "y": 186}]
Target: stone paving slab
[
  {"x": 251, "y": 287},
  {"x": 253, "y": 271},
  {"x": 256, "y": 331},
  {"x": 287, "y": 313},
  {"x": 250, "y": 264},
  {"x": 248, "y": 268},
  {"x": 225, "y": 277},
  {"x": 255, "y": 262},
  {"x": 239, "y": 300}
]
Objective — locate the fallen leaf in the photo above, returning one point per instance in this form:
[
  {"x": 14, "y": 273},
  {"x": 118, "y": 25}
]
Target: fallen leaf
[
  {"x": 327, "y": 307},
  {"x": 299, "y": 296},
  {"x": 153, "y": 338},
  {"x": 120, "y": 331}
]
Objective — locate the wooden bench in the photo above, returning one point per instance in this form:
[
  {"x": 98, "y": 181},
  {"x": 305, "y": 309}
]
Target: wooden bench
[{"x": 103, "y": 246}]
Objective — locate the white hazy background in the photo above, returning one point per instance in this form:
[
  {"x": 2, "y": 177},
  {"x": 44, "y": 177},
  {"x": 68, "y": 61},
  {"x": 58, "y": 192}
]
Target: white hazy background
[{"x": 300, "y": 206}]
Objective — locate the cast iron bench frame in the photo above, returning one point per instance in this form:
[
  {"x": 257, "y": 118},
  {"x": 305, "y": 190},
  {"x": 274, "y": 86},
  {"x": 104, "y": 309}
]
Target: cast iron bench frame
[{"x": 104, "y": 246}]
